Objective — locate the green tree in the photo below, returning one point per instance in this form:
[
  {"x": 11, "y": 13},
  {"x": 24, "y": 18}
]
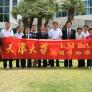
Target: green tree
[
  {"x": 30, "y": 9},
  {"x": 72, "y": 7}
]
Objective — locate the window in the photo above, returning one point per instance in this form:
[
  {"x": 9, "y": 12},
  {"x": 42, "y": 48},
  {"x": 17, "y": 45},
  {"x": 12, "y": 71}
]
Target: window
[
  {"x": 90, "y": 3},
  {"x": 4, "y": 10},
  {"x": 14, "y": 5},
  {"x": 6, "y": 2},
  {"x": 1, "y": 9},
  {"x": 1, "y": 2},
  {"x": 1, "y": 17},
  {"x": 90, "y": 10},
  {"x": 58, "y": 14},
  {"x": 14, "y": 2},
  {"x": 64, "y": 14},
  {"x": 6, "y": 17}
]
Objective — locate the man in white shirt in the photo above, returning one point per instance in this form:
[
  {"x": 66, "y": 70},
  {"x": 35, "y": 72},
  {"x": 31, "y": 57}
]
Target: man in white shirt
[
  {"x": 85, "y": 32},
  {"x": 56, "y": 34},
  {"x": 7, "y": 32}
]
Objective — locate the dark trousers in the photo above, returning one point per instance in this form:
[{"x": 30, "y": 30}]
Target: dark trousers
[
  {"x": 88, "y": 63},
  {"x": 39, "y": 63},
  {"x": 81, "y": 63},
  {"x": 23, "y": 63},
  {"x": 29, "y": 63},
  {"x": 57, "y": 63},
  {"x": 44, "y": 63},
  {"x": 51, "y": 62},
  {"x": 17, "y": 63},
  {"x": 5, "y": 63},
  {"x": 67, "y": 63}
]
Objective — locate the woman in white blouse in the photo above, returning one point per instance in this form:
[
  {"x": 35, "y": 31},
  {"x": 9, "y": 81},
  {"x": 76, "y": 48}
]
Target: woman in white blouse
[{"x": 79, "y": 35}]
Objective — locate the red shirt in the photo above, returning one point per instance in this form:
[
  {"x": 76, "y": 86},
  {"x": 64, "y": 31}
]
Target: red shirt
[{"x": 89, "y": 37}]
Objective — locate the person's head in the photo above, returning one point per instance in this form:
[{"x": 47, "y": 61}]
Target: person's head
[
  {"x": 33, "y": 29},
  {"x": 69, "y": 24},
  {"x": 19, "y": 29},
  {"x": 43, "y": 28},
  {"x": 79, "y": 30},
  {"x": 27, "y": 30},
  {"x": 90, "y": 31},
  {"x": 55, "y": 25},
  {"x": 7, "y": 25},
  {"x": 85, "y": 28}
]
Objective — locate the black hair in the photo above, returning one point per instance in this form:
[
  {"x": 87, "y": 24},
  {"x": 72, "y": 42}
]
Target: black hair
[{"x": 79, "y": 28}]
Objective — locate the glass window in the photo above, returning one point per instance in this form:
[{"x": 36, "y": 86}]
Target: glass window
[
  {"x": 7, "y": 2},
  {"x": 87, "y": 10},
  {"x": 6, "y": 9},
  {"x": 1, "y": 2},
  {"x": 90, "y": 3},
  {"x": 14, "y": 2},
  {"x": 1, "y": 17},
  {"x": 1, "y": 9},
  {"x": 85, "y": 2},
  {"x": 64, "y": 14},
  {"x": 6, "y": 17},
  {"x": 58, "y": 14},
  {"x": 90, "y": 10}
]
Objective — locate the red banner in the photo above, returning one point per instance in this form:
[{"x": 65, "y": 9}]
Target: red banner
[{"x": 14, "y": 48}]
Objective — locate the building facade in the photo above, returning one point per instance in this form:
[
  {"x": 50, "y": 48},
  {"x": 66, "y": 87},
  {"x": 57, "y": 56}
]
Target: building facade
[
  {"x": 79, "y": 20},
  {"x": 6, "y": 7}
]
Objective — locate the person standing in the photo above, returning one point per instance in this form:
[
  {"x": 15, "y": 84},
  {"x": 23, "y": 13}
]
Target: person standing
[
  {"x": 19, "y": 34},
  {"x": 43, "y": 34},
  {"x": 23, "y": 61},
  {"x": 79, "y": 35},
  {"x": 7, "y": 32},
  {"x": 90, "y": 37},
  {"x": 68, "y": 33},
  {"x": 85, "y": 34},
  {"x": 56, "y": 34},
  {"x": 33, "y": 35},
  {"x": 33, "y": 32}
]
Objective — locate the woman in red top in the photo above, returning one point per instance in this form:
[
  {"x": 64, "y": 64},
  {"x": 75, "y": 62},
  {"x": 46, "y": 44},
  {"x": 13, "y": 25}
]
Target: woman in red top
[{"x": 90, "y": 37}]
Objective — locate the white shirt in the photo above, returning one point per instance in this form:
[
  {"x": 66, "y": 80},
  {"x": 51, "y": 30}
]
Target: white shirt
[
  {"x": 68, "y": 30},
  {"x": 55, "y": 34},
  {"x": 28, "y": 36},
  {"x": 19, "y": 35},
  {"x": 79, "y": 36},
  {"x": 85, "y": 34},
  {"x": 6, "y": 33}
]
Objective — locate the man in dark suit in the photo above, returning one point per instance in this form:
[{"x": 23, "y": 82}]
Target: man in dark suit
[
  {"x": 43, "y": 34},
  {"x": 23, "y": 61},
  {"x": 33, "y": 34},
  {"x": 19, "y": 33},
  {"x": 68, "y": 33}
]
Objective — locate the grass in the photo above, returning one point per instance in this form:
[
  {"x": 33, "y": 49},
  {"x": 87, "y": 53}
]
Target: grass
[{"x": 46, "y": 79}]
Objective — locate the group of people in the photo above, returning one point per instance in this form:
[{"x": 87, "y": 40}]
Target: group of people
[{"x": 56, "y": 34}]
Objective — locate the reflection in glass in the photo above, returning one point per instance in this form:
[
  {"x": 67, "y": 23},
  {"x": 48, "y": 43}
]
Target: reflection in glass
[
  {"x": 1, "y": 17},
  {"x": 1, "y": 2}
]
